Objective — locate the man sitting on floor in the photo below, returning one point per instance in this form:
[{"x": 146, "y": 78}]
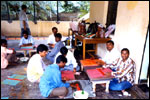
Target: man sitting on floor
[
  {"x": 8, "y": 57},
  {"x": 51, "y": 84},
  {"x": 51, "y": 55},
  {"x": 72, "y": 63},
  {"x": 26, "y": 40},
  {"x": 112, "y": 53},
  {"x": 124, "y": 74},
  {"x": 36, "y": 66}
]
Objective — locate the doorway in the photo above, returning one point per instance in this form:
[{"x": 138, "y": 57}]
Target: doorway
[{"x": 112, "y": 13}]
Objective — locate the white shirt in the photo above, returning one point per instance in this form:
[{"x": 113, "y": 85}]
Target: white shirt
[
  {"x": 35, "y": 68},
  {"x": 26, "y": 41},
  {"x": 70, "y": 59},
  {"x": 111, "y": 56},
  {"x": 23, "y": 16},
  {"x": 51, "y": 39}
]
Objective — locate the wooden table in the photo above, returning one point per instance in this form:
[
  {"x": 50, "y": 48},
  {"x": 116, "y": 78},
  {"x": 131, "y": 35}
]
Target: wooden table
[
  {"x": 106, "y": 78},
  {"x": 89, "y": 41}
]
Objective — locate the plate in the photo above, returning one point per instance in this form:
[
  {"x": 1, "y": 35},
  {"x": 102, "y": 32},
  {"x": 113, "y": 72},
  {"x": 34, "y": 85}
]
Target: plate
[{"x": 80, "y": 94}]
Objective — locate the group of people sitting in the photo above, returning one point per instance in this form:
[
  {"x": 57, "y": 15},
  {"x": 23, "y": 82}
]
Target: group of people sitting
[{"x": 49, "y": 77}]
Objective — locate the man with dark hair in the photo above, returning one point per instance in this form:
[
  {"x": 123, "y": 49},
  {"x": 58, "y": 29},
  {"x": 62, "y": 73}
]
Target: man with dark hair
[
  {"x": 72, "y": 63},
  {"x": 36, "y": 66},
  {"x": 51, "y": 55},
  {"x": 51, "y": 84},
  {"x": 26, "y": 40},
  {"x": 24, "y": 20},
  {"x": 124, "y": 73},
  {"x": 51, "y": 39},
  {"x": 111, "y": 54},
  {"x": 8, "y": 57}
]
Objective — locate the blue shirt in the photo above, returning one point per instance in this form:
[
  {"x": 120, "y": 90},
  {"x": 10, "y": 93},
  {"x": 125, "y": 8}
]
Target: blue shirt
[
  {"x": 51, "y": 79},
  {"x": 51, "y": 55}
]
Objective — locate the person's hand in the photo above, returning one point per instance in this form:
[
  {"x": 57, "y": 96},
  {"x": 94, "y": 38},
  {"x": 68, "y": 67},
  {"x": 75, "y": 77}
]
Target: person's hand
[
  {"x": 72, "y": 85},
  {"x": 65, "y": 79},
  {"x": 74, "y": 70}
]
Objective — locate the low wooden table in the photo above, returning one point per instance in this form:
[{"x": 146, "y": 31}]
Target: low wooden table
[
  {"x": 97, "y": 77},
  {"x": 89, "y": 41},
  {"x": 89, "y": 63}
]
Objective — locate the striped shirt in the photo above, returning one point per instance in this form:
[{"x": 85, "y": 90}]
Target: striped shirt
[{"x": 124, "y": 70}]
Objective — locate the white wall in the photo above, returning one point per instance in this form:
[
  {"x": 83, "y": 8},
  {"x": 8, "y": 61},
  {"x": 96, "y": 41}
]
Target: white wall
[{"x": 131, "y": 29}]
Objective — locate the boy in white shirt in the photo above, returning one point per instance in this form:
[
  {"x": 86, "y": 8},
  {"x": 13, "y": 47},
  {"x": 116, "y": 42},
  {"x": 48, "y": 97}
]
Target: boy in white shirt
[
  {"x": 71, "y": 61},
  {"x": 36, "y": 66}
]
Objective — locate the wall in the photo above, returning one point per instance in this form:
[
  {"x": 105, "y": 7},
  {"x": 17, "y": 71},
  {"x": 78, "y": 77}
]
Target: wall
[
  {"x": 42, "y": 28},
  {"x": 98, "y": 11},
  {"x": 131, "y": 29}
]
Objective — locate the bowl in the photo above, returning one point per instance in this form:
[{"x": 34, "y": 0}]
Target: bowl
[
  {"x": 24, "y": 59},
  {"x": 80, "y": 94}
]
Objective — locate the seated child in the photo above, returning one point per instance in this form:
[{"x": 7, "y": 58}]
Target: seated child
[
  {"x": 8, "y": 57},
  {"x": 51, "y": 55},
  {"x": 71, "y": 61},
  {"x": 51, "y": 84},
  {"x": 36, "y": 66},
  {"x": 124, "y": 74}
]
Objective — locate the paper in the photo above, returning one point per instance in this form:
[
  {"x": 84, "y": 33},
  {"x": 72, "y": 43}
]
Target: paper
[
  {"x": 10, "y": 82},
  {"x": 68, "y": 74},
  {"x": 4, "y": 97},
  {"x": 89, "y": 62},
  {"x": 27, "y": 48}
]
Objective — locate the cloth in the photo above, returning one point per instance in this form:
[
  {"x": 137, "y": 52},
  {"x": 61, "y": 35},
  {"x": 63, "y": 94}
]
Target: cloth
[
  {"x": 51, "y": 55},
  {"x": 4, "y": 60},
  {"x": 115, "y": 85},
  {"x": 27, "y": 29},
  {"x": 110, "y": 28},
  {"x": 70, "y": 59},
  {"x": 124, "y": 70},
  {"x": 23, "y": 16},
  {"x": 111, "y": 56},
  {"x": 74, "y": 26},
  {"x": 35, "y": 68},
  {"x": 26, "y": 41},
  {"x": 50, "y": 80}
]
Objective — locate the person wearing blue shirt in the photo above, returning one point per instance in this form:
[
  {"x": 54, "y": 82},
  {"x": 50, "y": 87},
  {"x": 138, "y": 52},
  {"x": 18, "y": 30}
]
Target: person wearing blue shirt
[
  {"x": 51, "y": 55},
  {"x": 51, "y": 84}
]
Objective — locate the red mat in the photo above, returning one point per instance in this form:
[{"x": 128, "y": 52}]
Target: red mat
[
  {"x": 98, "y": 73},
  {"x": 68, "y": 74}
]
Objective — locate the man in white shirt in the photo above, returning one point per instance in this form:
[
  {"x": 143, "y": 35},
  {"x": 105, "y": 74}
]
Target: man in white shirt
[
  {"x": 71, "y": 61},
  {"x": 24, "y": 20},
  {"x": 51, "y": 39},
  {"x": 26, "y": 40},
  {"x": 112, "y": 54},
  {"x": 36, "y": 66}
]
